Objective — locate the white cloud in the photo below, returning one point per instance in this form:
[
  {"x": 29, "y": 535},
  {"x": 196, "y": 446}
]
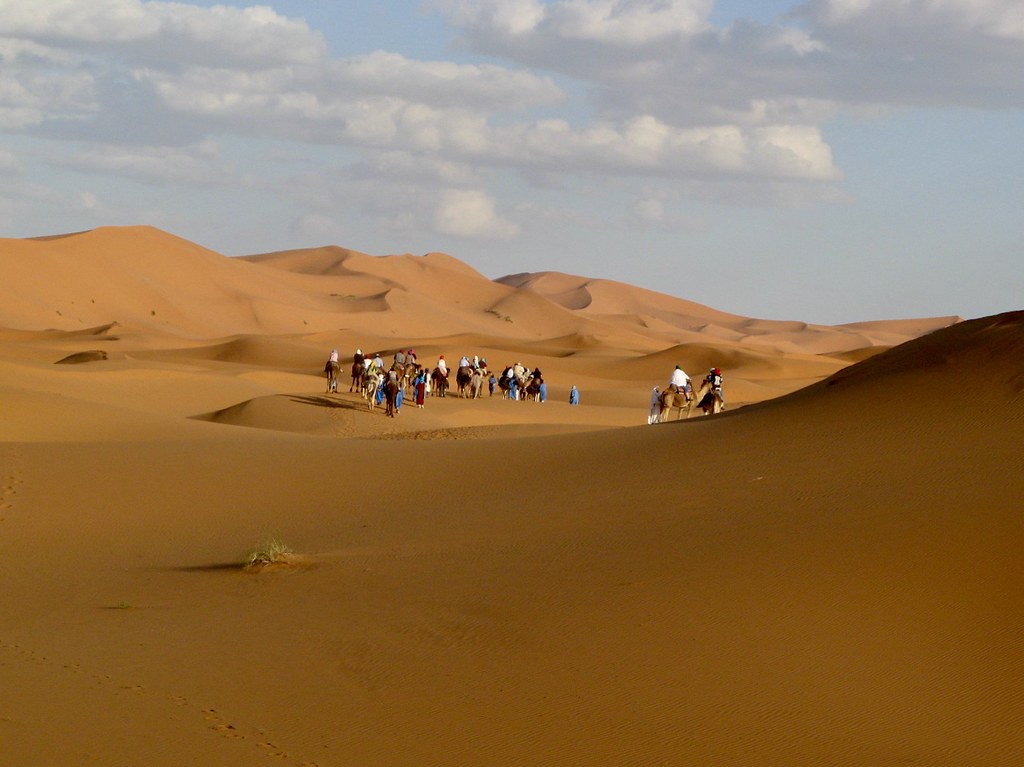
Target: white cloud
[
  {"x": 38, "y": 82},
  {"x": 513, "y": 17},
  {"x": 443, "y": 82},
  {"x": 9, "y": 164},
  {"x": 647, "y": 146},
  {"x": 87, "y": 202},
  {"x": 196, "y": 165},
  {"x": 997, "y": 18},
  {"x": 166, "y": 30},
  {"x": 646, "y": 89},
  {"x": 470, "y": 213},
  {"x": 650, "y": 210},
  {"x": 629, "y": 22}
]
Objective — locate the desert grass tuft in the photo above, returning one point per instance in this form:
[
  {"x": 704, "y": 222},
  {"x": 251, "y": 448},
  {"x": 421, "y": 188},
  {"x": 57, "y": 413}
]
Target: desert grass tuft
[{"x": 269, "y": 552}]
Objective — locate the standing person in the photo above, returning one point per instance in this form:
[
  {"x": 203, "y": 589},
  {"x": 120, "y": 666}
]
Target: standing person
[
  {"x": 420, "y": 388},
  {"x": 654, "y": 413},
  {"x": 543, "y": 393},
  {"x": 513, "y": 387},
  {"x": 491, "y": 383},
  {"x": 574, "y": 395}
]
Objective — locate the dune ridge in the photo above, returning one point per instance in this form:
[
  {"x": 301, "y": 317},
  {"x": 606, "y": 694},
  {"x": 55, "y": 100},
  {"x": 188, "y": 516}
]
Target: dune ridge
[{"x": 145, "y": 278}]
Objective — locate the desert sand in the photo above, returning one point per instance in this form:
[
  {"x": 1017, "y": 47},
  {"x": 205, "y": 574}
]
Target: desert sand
[{"x": 829, "y": 572}]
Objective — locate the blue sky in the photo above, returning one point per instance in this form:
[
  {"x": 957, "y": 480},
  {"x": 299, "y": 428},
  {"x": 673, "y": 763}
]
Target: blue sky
[{"x": 827, "y": 161}]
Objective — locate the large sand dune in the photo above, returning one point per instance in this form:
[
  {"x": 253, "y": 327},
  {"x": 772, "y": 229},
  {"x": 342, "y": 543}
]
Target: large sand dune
[{"x": 827, "y": 573}]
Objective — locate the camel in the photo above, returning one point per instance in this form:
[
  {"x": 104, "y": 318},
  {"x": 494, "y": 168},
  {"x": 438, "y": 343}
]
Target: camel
[
  {"x": 391, "y": 389},
  {"x": 675, "y": 399},
  {"x": 372, "y": 382},
  {"x": 332, "y": 368},
  {"x": 476, "y": 384},
  {"x": 438, "y": 382},
  {"x": 709, "y": 399},
  {"x": 531, "y": 390},
  {"x": 358, "y": 374},
  {"x": 463, "y": 379}
]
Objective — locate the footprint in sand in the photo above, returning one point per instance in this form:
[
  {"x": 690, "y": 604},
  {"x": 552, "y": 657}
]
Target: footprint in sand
[
  {"x": 225, "y": 729},
  {"x": 9, "y": 489}
]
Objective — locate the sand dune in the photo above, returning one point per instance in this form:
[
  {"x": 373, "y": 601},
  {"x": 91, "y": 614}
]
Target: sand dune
[{"x": 826, "y": 573}]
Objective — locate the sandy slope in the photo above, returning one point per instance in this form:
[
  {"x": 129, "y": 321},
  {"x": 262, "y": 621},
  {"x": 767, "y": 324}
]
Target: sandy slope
[{"x": 830, "y": 577}]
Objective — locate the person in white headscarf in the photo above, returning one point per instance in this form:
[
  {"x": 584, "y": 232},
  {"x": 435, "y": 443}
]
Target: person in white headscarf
[{"x": 654, "y": 414}]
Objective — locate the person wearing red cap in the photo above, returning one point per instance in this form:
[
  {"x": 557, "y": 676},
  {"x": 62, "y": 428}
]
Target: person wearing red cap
[{"x": 715, "y": 382}]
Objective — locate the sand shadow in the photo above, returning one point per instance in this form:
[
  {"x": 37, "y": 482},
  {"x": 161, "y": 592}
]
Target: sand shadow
[
  {"x": 324, "y": 400},
  {"x": 216, "y": 567},
  {"x": 288, "y": 562}
]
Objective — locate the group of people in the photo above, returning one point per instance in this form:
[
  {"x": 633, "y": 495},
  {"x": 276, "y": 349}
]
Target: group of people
[
  {"x": 514, "y": 382},
  {"x": 680, "y": 382}
]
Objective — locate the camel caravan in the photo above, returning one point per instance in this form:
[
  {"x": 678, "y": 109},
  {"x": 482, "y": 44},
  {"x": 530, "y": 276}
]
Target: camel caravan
[{"x": 406, "y": 377}]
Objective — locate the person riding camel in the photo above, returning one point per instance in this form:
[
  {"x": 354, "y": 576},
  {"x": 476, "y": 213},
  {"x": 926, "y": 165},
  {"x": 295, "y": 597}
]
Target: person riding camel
[
  {"x": 442, "y": 366},
  {"x": 399, "y": 358},
  {"x": 410, "y": 357},
  {"x": 359, "y": 358},
  {"x": 679, "y": 382},
  {"x": 714, "y": 380},
  {"x": 334, "y": 356}
]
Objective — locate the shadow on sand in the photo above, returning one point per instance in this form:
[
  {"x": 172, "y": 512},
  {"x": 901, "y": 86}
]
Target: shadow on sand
[{"x": 324, "y": 400}]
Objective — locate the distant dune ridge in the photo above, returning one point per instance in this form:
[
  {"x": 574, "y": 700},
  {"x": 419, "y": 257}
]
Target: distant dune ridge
[
  {"x": 143, "y": 277},
  {"x": 826, "y": 573}
]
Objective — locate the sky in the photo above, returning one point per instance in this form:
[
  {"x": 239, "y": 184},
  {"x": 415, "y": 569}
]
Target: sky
[{"x": 827, "y": 161}]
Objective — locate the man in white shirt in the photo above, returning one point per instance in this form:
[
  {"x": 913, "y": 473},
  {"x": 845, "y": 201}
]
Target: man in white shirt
[{"x": 679, "y": 380}]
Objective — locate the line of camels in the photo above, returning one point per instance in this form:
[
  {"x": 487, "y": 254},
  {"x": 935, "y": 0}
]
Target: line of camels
[{"x": 470, "y": 383}]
